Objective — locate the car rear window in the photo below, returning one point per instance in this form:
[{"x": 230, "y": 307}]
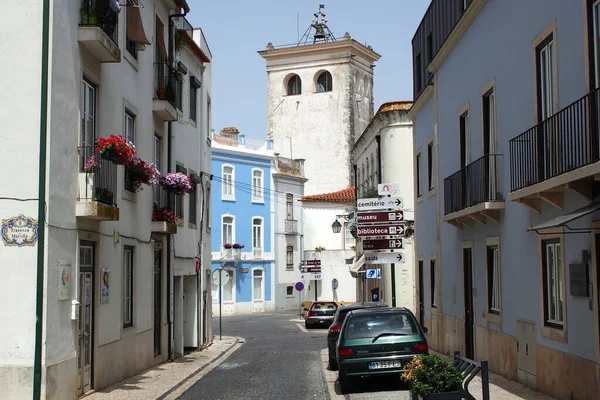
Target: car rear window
[
  {"x": 324, "y": 306},
  {"x": 341, "y": 316},
  {"x": 370, "y": 325}
]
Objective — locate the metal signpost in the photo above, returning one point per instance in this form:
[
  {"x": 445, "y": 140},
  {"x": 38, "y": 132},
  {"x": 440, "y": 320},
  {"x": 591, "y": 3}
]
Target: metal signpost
[
  {"x": 299, "y": 286},
  {"x": 312, "y": 267},
  {"x": 220, "y": 277}
]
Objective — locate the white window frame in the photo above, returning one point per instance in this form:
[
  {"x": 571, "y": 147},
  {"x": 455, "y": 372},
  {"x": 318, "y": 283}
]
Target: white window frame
[
  {"x": 258, "y": 186},
  {"x": 128, "y": 286},
  {"x": 88, "y": 113},
  {"x": 495, "y": 303},
  {"x": 289, "y": 262},
  {"x": 289, "y": 205},
  {"x": 546, "y": 56},
  {"x": 554, "y": 266},
  {"x": 286, "y": 291},
  {"x": 261, "y": 236},
  {"x": 129, "y": 128},
  {"x": 227, "y": 182},
  {"x": 262, "y": 284},
  {"x": 223, "y": 228},
  {"x": 349, "y": 240}
]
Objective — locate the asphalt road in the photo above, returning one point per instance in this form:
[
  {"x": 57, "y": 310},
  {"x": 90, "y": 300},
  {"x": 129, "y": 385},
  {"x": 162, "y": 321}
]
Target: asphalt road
[{"x": 282, "y": 360}]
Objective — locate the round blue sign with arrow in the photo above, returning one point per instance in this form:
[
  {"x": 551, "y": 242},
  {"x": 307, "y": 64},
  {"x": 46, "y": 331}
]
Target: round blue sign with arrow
[{"x": 299, "y": 286}]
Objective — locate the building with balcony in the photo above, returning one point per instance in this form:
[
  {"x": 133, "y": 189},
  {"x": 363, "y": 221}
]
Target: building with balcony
[
  {"x": 383, "y": 154},
  {"x": 506, "y": 143},
  {"x": 99, "y": 276},
  {"x": 242, "y": 219}
]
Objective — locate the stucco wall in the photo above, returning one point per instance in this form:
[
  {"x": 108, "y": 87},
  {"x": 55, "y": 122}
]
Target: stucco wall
[{"x": 333, "y": 266}]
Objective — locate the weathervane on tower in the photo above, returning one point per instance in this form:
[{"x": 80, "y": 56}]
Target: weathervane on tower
[{"x": 322, "y": 32}]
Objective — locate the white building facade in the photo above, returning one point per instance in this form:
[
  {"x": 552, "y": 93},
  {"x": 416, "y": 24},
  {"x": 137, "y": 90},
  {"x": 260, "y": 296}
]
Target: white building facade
[{"x": 105, "y": 282}]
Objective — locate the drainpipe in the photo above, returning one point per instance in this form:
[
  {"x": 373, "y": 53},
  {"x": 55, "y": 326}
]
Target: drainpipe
[
  {"x": 186, "y": 9},
  {"x": 380, "y": 180},
  {"x": 39, "y": 298},
  {"x": 378, "y": 140}
]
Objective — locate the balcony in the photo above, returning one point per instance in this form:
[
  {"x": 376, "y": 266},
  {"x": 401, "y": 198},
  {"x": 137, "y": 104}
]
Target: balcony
[
  {"x": 558, "y": 154},
  {"x": 97, "y": 198},
  {"x": 231, "y": 254},
  {"x": 163, "y": 105},
  {"x": 257, "y": 253},
  {"x": 473, "y": 193},
  {"x": 291, "y": 227},
  {"x": 287, "y": 166},
  {"x": 98, "y": 31},
  {"x": 163, "y": 210}
]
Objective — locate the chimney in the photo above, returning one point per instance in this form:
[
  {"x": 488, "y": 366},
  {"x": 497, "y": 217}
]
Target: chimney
[
  {"x": 269, "y": 144},
  {"x": 241, "y": 139}
]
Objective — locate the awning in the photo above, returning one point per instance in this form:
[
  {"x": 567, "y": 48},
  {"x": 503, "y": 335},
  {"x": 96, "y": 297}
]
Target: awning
[
  {"x": 135, "y": 28},
  {"x": 160, "y": 38},
  {"x": 357, "y": 265},
  {"x": 563, "y": 220}
]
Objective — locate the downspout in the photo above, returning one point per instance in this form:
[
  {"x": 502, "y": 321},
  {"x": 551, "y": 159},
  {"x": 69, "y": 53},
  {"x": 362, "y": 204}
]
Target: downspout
[
  {"x": 186, "y": 9},
  {"x": 379, "y": 163},
  {"x": 380, "y": 180},
  {"x": 39, "y": 298}
]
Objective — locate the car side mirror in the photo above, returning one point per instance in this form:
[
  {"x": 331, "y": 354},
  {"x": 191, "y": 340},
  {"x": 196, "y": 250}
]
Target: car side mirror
[{"x": 425, "y": 330}]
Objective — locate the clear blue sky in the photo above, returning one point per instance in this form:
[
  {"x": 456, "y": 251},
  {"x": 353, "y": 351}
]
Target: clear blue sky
[{"x": 237, "y": 29}]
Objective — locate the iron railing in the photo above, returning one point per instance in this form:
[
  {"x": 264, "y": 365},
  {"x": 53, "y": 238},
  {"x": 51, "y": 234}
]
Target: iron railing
[
  {"x": 164, "y": 83},
  {"x": 561, "y": 143},
  {"x": 101, "y": 182},
  {"x": 476, "y": 183},
  {"x": 98, "y": 13},
  {"x": 291, "y": 226}
]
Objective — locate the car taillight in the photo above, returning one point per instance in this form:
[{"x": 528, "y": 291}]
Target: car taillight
[
  {"x": 346, "y": 353},
  {"x": 335, "y": 328},
  {"x": 421, "y": 348}
]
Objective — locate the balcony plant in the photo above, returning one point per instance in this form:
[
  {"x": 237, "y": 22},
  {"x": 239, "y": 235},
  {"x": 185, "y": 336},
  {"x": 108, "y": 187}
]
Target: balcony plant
[
  {"x": 105, "y": 196},
  {"x": 238, "y": 246},
  {"x": 91, "y": 165},
  {"x": 432, "y": 378},
  {"x": 227, "y": 245},
  {"x": 139, "y": 171},
  {"x": 175, "y": 182},
  {"x": 161, "y": 91},
  {"x": 116, "y": 149},
  {"x": 163, "y": 215}
]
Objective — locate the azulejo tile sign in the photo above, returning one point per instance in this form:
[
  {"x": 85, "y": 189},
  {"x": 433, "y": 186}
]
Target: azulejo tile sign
[{"x": 19, "y": 231}]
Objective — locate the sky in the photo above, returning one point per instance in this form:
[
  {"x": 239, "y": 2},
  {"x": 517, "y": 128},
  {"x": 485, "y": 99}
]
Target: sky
[{"x": 237, "y": 29}]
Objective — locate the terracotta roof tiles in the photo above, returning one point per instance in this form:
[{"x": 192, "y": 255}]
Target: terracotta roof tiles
[{"x": 344, "y": 196}]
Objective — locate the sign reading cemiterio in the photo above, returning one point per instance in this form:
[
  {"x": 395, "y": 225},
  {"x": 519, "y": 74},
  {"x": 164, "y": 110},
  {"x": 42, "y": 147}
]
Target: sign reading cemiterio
[
  {"x": 379, "y": 203},
  {"x": 372, "y": 217},
  {"x": 380, "y": 230}
]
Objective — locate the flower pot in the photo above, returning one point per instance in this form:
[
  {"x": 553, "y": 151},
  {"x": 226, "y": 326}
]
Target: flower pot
[
  {"x": 161, "y": 93},
  {"x": 104, "y": 196}
]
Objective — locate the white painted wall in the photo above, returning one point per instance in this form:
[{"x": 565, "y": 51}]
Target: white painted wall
[
  {"x": 318, "y": 218},
  {"x": 333, "y": 266}
]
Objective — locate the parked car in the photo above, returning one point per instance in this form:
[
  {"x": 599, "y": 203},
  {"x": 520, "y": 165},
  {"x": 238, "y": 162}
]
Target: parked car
[
  {"x": 375, "y": 341},
  {"x": 320, "y": 313},
  {"x": 336, "y": 326}
]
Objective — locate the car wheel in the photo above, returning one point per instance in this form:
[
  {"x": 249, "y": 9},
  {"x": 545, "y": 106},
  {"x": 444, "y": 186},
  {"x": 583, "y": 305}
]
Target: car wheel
[{"x": 332, "y": 363}]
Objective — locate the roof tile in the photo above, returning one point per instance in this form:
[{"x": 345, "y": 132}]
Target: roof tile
[{"x": 343, "y": 196}]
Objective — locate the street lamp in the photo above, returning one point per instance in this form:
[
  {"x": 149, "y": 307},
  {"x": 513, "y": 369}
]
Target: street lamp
[{"x": 336, "y": 226}]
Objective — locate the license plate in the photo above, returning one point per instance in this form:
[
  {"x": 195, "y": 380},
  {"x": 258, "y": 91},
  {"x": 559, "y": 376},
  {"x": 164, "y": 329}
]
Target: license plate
[{"x": 385, "y": 364}]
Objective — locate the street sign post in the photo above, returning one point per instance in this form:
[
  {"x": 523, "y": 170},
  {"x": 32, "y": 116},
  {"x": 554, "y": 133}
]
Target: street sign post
[
  {"x": 220, "y": 277},
  {"x": 384, "y": 258},
  {"x": 380, "y": 230},
  {"x": 376, "y": 217},
  {"x": 379, "y": 203},
  {"x": 382, "y": 244}
]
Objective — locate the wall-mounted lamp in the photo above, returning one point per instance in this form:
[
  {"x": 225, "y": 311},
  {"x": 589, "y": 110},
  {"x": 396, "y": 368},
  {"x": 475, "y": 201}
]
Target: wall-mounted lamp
[{"x": 336, "y": 227}]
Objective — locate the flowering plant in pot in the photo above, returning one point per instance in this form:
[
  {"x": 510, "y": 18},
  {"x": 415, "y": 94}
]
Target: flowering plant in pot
[
  {"x": 139, "y": 171},
  {"x": 116, "y": 149},
  {"x": 177, "y": 182},
  {"x": 432, "y": 378},
  {"x": 91, "y": 165},
  {"x": 227, "y": 245},
  {"x": 163, "y": 215},
  {"x": 238, "y": 246}
]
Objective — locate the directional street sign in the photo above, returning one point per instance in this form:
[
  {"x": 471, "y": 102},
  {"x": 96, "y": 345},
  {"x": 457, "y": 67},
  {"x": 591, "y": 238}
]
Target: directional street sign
[
  {"x": 311, "y": 262},
  {"x": 384, "y": 258},
  {"x": 379, "y": 203},
  {"x": 310, "y": 269},
  {"x": 382, "y": 244},
  {"x": 372, "y": 217},
  {"x": 380, "y": 230}
]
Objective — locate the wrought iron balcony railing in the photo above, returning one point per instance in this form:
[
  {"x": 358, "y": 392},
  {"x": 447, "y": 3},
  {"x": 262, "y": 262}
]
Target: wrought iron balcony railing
[
  {"x": 164, "y": 83},
  {"x": 291, "y": 226},
  {"x": 561, "y": 143},
  {"x": 98, "y": 13},
  {"x": 100, "y": 182},
  {"x": 478, "y": 182}
]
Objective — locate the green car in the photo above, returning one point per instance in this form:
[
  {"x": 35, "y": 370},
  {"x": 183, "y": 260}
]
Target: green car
[{"x": 378, "y": 341}]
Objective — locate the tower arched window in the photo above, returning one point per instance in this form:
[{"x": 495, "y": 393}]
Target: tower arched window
[
  {"x": 373, "y": 170},
  {"x": 325, "y": 82},
  {"x": 294, "y": 85},
  {"x": 368, "y": 175}
]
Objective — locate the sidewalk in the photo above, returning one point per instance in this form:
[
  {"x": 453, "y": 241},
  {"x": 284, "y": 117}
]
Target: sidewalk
[
  {"x": 170, "y": 380},
  {"x": 501, "y": 388}
]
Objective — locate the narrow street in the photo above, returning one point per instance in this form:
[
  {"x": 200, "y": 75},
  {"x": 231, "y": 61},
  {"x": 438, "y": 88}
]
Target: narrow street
[{"x": 280, "y": 360}]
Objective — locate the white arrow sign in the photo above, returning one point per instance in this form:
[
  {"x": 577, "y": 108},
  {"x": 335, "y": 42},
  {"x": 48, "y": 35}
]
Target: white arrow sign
[
  {"x": 384, "y": 258},
  {"x": 379, "y": 203}
]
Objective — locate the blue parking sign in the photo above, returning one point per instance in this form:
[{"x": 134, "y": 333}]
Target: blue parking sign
[{"x": 372, "y": 274}]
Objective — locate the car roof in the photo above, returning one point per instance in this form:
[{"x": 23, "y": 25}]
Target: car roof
[
  {"x": 380, "y": 310},
  {"x": 365, "y": 304}
]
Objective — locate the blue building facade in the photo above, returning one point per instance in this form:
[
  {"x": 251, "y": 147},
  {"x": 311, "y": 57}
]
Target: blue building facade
[{"x": 242, "y": 217}]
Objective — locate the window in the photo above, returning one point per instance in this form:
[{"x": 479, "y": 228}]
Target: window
[
  {"x": 194, "y": 86},
  {"x": 430, "y": 171},
  {"x": 368, "y": 174},
  {"x": 324, "y": 82},
  {"x": 545, "y": 78},
  {"x": 157, "y": 190},
  {"x": 294, "y": 85},
  {"x": 464, "y": 138},
  {"x": 289, "y": 264},
  {"x": 418, "y": 173},
  {"x": 179, "y": 197},
  {"x": 373, "y": 170},
  {"x": 193, "y": 204},
  {"x": 257, "y": 186},
  {"x": 289, "y": 291},
  {"x": 553, "y": 283},
  {"x": 208, "y": 115},
  {"x": 433, "y": 284},
  {"x": 130, "y": 45},
  {"x": 228, "y": 179},
  {"x": 493, "y": 275},
  {"x": 289, "y": 205},
  {"x": 129, "y": 131},
  {"x": 227, "y": 290},
  {"x": 179, "y": 94},
  {"x": 595, "y": 40},
  {"x": 88, "y": 118},
  {"x": 257, "y": 229},
  {"x": 257, "y": 285},
  {"x": 489, "y": 121},
  {"x": 348, "y": 238},
  {"x": 227, "y": 230},
  {"x": 127, "y": 286}
]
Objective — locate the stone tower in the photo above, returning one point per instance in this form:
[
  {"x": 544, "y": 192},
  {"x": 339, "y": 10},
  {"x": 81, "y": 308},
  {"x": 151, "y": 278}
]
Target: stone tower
[{"x": 319, "y": 100}]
